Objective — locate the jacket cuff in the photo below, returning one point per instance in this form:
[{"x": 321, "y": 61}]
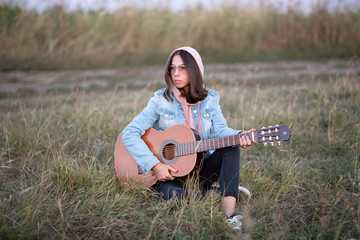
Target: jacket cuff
[{"x": 149, "y": 165}]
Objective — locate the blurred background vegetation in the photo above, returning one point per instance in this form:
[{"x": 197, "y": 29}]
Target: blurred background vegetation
[{"x": 60, "y": 39}]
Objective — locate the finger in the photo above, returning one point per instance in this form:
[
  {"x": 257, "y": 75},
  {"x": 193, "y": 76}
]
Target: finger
[
  {"x": 165, "y": 178},
  {"x": 245, "y": 140},
  {"x": 168, "y": 177},
  {"x": 242, "y": 142},
  {"x": 248, "y": 141},
  {"x": 172, "y": 169}
]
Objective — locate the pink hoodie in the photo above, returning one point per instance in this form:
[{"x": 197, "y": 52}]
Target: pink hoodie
[
  {"x": 189, "y": 120},
  {"x": 194, "y": 54}
]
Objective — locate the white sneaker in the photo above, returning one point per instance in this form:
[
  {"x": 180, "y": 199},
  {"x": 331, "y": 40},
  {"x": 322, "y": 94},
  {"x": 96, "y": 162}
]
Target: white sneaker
[{"x": 234, "y": 221}]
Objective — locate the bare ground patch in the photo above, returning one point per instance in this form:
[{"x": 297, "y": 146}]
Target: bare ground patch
[{"x": 44, "y": 81}]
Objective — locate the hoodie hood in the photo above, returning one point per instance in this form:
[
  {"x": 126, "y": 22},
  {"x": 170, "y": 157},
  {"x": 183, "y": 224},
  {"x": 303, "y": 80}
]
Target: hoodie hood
[
  {"x": 194, "y": 54},
  {"x": 187, "y": 107}
]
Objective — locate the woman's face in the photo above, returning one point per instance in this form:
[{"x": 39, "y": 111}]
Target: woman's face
[{"x": 179, "y": 74}]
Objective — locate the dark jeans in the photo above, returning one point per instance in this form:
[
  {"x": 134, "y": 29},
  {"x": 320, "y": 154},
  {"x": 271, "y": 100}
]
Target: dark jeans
[{"x": 222, "y": 165}]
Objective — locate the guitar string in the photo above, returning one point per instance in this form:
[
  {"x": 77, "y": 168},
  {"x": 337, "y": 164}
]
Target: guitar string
[
  {"x": 220, "y": 142},
  {"x": 211, "y": 142}
]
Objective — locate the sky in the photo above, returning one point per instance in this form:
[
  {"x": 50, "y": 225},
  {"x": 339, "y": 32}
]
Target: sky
[{"x": 178, "y": 5}]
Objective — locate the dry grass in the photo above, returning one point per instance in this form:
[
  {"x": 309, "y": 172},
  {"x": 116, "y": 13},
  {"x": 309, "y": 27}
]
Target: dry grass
[
  {"x": 57, "y": 39},
  {"x": 309, "y": 188}
]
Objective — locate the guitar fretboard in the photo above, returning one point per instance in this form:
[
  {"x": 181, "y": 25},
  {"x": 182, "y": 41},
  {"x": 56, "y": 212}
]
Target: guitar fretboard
[{"x": 209, "y": 144}]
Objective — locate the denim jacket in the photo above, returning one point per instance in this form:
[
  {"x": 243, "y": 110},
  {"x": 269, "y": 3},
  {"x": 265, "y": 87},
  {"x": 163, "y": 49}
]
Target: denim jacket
[{"x": 162, "y": 114}]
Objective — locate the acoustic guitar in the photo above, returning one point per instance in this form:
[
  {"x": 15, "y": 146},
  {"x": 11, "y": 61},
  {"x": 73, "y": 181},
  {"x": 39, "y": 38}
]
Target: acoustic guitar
[{"x": 180, "y": 147}]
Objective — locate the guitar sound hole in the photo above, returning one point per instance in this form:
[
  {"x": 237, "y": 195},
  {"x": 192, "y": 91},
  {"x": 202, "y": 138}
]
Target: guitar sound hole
[{"x": 168, "y": 151}]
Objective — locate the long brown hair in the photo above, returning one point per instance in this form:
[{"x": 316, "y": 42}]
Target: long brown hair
[{"x": 197, "y": 90}]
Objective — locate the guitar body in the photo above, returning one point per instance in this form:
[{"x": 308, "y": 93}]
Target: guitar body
[{"x": 162, "y": 145}]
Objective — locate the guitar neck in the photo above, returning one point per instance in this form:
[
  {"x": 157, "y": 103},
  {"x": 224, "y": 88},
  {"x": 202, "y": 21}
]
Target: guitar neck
[
  {"x": 211, "y": 144},
  {"x": 263, "y": 135}
]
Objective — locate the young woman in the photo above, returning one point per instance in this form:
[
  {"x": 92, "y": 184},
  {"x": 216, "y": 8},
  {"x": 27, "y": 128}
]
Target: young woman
[{"x": 185, "y": 100}]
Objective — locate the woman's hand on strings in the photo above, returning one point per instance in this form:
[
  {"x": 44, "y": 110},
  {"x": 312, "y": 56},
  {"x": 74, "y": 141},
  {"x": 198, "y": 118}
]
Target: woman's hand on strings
[
  {"x": 245, "y": 140},
  {"x": 162, "y": 171}
]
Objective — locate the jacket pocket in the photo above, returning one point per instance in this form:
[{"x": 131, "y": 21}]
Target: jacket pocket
[
  {"x": 167, "y": 118},
  {"x": 206, "y": 123},
  {"x": 209, "y": 112}
]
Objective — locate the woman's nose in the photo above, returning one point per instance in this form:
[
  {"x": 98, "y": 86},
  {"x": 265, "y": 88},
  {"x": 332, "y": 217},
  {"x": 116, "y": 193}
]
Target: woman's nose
[{"x": 176, "y": 71}]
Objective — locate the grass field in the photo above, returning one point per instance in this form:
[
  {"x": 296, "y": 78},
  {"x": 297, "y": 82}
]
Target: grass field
[{"x": 54, "y": 184}]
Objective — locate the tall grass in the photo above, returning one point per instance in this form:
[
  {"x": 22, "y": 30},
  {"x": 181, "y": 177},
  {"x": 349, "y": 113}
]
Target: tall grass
[
  {"x": 57, "y": 39},
  {"x": 54, "y": 185}
]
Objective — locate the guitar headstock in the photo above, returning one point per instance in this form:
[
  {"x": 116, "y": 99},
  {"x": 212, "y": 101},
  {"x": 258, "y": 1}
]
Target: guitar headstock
[{"x": 272, "y": 134}]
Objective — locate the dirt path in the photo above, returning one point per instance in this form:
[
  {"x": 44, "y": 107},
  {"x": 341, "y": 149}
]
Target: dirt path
[{"x": 43, "y": 81}]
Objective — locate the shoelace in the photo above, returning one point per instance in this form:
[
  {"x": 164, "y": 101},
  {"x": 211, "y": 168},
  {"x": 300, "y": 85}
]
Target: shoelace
[{"x": 234, "y": 221}]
